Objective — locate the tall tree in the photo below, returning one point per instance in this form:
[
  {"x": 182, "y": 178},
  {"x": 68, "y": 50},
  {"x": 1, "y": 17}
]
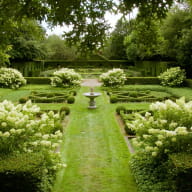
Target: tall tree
[
  {"x": 26, "y": 40},
  {"x": 144, "y": 42},
  {"x": 86, "y": 16},
  {"x": 116, "y": 47},
  {"x": 57, "y": 49},
  {"x": 177, "y": 33}
]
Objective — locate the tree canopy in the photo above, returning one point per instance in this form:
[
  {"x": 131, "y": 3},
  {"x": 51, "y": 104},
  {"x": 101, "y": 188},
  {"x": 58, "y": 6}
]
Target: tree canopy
[{"x": 86, "y": 16}]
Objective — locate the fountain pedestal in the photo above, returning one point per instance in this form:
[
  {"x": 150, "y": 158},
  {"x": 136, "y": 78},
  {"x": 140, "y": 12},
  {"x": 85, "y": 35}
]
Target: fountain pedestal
[{"x": 92, "y": 95}]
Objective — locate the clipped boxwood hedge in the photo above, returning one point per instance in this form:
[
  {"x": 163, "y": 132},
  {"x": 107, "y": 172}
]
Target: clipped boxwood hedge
[
  {"x": 142, "y": 81},
  {"x": 182, "y": 167},
  {"x": 188, "y": 82},
  {"x": 25, "y": 173},
  {"x": 38, "y": 80}
]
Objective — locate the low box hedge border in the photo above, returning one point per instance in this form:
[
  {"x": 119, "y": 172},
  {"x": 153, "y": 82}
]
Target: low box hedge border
[
  {"x": 142, "y": 80},
  {"x": 38, "y": 80},
  {"x": 129, "y": 81}
]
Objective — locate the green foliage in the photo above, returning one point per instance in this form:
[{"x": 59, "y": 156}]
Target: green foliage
[
  {"x": 163, "y": 131},
  {"x": 26, "y": 172},
  {"x": 144, "y": 40},
  {"x": 181, "y": 170},
  {"x": 142, "y": 80},
  {"x": 86, "y": 17},
  {"x": 23, "y": 100},
  {"x": 65, "y": 78},
  {"x": 125, "y": 95},
  {"x": 173, "y": 77},
  {"x": 57, "y": 49},
  {"x": 119, "y": 109},
  {"x": 15, "y": 133},
  {"x": 71, "y": 100},
  {"x": 113, "y": 99},
  {"x": 177, "y": 34},
  {"x": 115, "y": 48},
  {"x": 4, "y": 57},
  {"x": 26, "y": 41},
  {"x": 49, "y": 97},
  {"x": 11, "y": 78},
  {"x": 151, "y": 175},
  {"x": 113, "y": 78},
  {"x": 38, "y": 80},
  {"x": 65, "y": 109}
]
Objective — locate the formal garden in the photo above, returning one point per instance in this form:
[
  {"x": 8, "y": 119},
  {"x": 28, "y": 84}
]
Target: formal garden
[{"x": 96, "y": 110}]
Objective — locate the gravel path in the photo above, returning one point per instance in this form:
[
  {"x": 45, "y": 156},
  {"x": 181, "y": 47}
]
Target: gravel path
[{"x": 91, "y": 83}]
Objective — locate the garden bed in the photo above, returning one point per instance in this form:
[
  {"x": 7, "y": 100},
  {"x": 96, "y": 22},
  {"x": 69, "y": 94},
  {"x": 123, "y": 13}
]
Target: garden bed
[{"x": 126, "y": 95}]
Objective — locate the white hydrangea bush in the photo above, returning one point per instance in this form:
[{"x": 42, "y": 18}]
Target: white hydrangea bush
[
  {"x": 113, "y": 78},
  {"x": 166, "y": 129},
  {"x": 173, "y": 77},
  {"x": 22, "y": 131},
  {"x": 65, "y": 78},
  {"x": 11, "y": 78}
]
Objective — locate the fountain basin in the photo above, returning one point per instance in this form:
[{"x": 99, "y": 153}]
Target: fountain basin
[{"x": 92, "y": 96}]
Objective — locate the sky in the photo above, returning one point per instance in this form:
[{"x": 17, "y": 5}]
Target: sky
[{"x": 111, "y": 18}]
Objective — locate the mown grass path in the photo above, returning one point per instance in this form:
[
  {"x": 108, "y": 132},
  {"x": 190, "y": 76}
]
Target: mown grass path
[{"x": 94, "y": 150}]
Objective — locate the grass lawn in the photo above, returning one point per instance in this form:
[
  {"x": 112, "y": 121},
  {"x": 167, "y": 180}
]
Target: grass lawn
[
  {"x": 94, "y": 150},
  {"x": 93, "y": 146}
]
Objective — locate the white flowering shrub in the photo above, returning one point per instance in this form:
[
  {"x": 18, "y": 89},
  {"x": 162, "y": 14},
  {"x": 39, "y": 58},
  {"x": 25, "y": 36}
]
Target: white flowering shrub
[
  {"x": 113, "y": 78},
  {"x": 22, "y": 131},
  {"x": 65, "y": 78},
  {"x": 11, "y": 78},
  {"x": 166, "y": 129},
  {"x": 173, "y": 77}
]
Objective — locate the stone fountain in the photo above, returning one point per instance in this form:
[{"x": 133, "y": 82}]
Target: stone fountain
[{"x": 92, "y": 95}]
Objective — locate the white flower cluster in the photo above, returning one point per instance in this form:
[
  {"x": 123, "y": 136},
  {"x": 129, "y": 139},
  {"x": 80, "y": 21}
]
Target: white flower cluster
[
  {"x": 166, "y": 129},
  {"x": 65, "y": 78},
  {"x": 113, "y": 78},
  {"x": 173, "y": 77},
  {"x": 21, "y": 130},
  {"x": 11, "y": 78}
]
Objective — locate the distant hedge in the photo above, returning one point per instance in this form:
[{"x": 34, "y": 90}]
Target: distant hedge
[
  {"x": 188, "y": 82},
  {"x": 142, "y": 80},
  {"x": 38, "y": 80},
  {"x": 87, "y": 64}
]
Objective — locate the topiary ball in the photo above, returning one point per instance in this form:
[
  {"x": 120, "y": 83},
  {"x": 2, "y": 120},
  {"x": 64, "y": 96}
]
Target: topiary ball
[
  {"x": 71, "y": 100},
  {"x": 23, "y": 100},
  {"x": 113, "y": 99},
  {"x": 119, "y": 109},
  {"x": 65, "y": 109}
]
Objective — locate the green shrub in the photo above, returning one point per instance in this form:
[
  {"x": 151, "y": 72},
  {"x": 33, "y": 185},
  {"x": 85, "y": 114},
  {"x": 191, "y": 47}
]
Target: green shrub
[
  {"x": 142, "y": 81},
  {"x": 113, "y": 99},
  {"x": 119, "y": 109},
  {"x": 182, "y": 171},
  {"x": 133, "y": 93},
  {"x": 44, "y": 97},
  {"x": 25, "y": 172},
  {"x": 64, "y": 111},
  {"x": 71, "y": 100},
  {"x": 173, "y": 77},
  {"x": 74, "y": 93},
  {"x": 65, "y": 78},
  {"x": 113, "y": 78},
  {"x": 38, "y": 80},
  {"x": 164, "y": 131},
  {"x": 22, "y": 131},
  {"x": 128, "y": 130},
  {"x": 151, "y": 175},
  {"x": 23, "y": 100},
  {"x": 11, "y": 78}
]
